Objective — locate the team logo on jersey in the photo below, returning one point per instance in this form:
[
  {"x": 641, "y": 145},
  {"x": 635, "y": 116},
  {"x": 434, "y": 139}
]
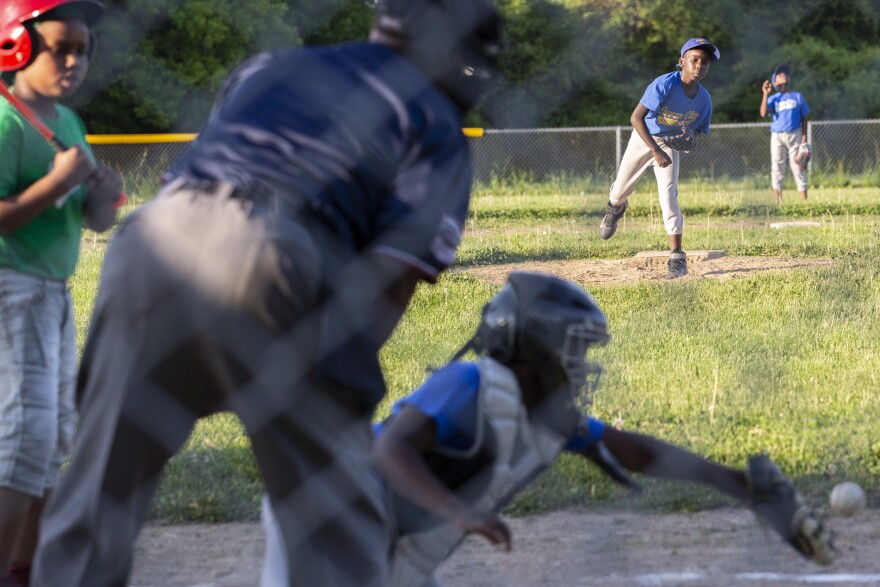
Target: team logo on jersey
[
  {"x": 787, "y": 104},
  {"x": 667, "y": 117}
]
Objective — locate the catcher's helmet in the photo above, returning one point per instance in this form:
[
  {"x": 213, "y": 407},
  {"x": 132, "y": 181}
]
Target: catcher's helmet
[
  {"x": 549, "y": 324},
  {"x": 17, "y": 18},
  {"x": 455, "y": 42}
]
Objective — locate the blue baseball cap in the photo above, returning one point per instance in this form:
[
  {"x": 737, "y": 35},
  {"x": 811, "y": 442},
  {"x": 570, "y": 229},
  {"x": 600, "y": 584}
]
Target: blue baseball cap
[
  {"x": 781, "y": 68},
  {"x": 701, "y": 43}
]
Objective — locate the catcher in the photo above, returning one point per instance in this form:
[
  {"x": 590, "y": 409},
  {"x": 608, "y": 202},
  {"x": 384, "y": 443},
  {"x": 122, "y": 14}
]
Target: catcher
[
  {"x": 672, "y": 113},
  {"x": 788, "y": 130},
  {"x": 455, "y": 451}
]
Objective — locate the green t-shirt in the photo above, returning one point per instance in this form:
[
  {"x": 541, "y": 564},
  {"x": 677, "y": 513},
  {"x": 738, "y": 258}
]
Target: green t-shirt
[{"x": 48, "y": 245}]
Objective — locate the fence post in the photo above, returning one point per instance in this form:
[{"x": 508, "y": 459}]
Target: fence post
[
  {"x": 618, "y": 134},
  {"x": 810, "y": 140}
]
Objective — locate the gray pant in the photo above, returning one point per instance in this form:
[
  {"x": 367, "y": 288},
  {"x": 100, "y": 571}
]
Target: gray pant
[
  {"x": 636, "y": 160},
  {"x": 783, "y": 148},
  {"x": 206, "y": 304}
]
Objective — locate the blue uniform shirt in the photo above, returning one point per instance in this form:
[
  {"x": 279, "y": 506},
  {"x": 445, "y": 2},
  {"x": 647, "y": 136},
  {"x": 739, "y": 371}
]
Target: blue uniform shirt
[
  {"x": 787, "y": 110},
  {"x": 669, "y": 106},
  {"x": 449, "y": 398},
  {"x": 357, "y": 137}
]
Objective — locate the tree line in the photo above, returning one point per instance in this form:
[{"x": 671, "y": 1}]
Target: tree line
[{"x": 567, "y": 62}]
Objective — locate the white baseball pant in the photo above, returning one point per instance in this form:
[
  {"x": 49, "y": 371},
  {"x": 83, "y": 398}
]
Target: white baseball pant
[
  {"x": 636, "y": 160},
  {"x": 784, "y": 146}
]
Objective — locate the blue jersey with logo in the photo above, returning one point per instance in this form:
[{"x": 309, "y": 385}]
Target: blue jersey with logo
[
  {"x": 352, "y": 135},
  {"x": 449, "y": 398},
  {"x": 787, "y": 110},
  {"x": 669, "y": 106}
]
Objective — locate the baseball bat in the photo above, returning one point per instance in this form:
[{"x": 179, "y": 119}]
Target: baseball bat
[{"x": 31, "y": 117}]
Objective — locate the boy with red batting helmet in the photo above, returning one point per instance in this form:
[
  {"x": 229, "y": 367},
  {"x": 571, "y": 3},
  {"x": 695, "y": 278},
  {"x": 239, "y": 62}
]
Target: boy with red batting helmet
[
  {"x": 788, "y": 131},
  {"x": 278, "y": 258},
  {"x": 459, "y": 448},
  {"x": 45, "y": 199},
  {"x": 672, "y": 113}
]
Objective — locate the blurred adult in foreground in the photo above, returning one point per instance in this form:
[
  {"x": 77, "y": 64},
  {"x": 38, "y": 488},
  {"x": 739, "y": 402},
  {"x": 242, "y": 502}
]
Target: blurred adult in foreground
[{"x": 264, "y": 278}]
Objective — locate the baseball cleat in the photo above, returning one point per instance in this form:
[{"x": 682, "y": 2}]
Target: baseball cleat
[
  {"x": 612, "y": 215},
  {"x": 678, "y": 265}
]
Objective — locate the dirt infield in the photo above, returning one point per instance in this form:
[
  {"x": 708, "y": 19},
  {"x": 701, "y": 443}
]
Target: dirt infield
[
  {"x": 565, "y": 548},
  {"x": 649, "y": 266}
]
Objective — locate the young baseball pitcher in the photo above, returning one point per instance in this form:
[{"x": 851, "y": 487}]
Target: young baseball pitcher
[
  {"x": 788, "y": 131},
  {"x": 674, "y": 110},
  {"x": 327, "y": 182},
  {"x": 45, "y": 199},
  {"x": 459, "y": 448}
]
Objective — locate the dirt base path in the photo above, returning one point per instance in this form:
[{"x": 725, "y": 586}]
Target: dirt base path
[
  {"x": 649, "y": 266},
  {"x": 711, "y": 548}
]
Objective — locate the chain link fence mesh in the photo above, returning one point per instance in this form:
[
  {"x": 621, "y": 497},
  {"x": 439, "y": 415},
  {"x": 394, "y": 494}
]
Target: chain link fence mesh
[{"x": 732, "y": 152}]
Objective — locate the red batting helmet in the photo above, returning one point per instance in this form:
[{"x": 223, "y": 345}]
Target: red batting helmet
[{"x": 16, "y": 16}]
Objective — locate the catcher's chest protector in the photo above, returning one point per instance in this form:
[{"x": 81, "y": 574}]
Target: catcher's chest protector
[{"x": 522, "y": 451}]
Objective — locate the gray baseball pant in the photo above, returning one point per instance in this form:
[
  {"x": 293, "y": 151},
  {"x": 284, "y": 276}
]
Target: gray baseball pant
[
  {"x": 784, "y": 148},
  {"x": 636, "y": 160},
  {"x": 204, "y": 306}
]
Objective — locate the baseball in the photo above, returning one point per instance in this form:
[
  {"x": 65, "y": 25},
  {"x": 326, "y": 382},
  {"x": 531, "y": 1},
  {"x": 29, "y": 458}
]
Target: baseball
[{"x": 847, "y": 499}]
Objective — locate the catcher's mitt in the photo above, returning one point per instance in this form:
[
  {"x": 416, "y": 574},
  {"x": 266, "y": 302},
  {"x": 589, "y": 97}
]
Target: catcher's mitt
[
  {"x": 684, "y": 142},
  {"x": 776, "y": 504}
]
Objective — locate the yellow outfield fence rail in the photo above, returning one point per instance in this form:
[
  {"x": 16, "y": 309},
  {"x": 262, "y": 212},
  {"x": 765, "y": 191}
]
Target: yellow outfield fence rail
[
  {"x": 731, "y": 152},
  {"x": 186, "y": 137},
  {"x": 140, "y": 139}
]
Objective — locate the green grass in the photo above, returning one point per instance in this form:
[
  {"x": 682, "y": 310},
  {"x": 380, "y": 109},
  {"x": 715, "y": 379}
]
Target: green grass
[{"x": 783, "y": 362}]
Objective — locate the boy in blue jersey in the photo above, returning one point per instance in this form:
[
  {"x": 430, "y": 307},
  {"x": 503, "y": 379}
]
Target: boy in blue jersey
[
  {"x": 264, "y": 278},
  {"x": 672, "y": 103},
  {"x": 788, "y": 131},
  {"x": 456, "y": 450}
]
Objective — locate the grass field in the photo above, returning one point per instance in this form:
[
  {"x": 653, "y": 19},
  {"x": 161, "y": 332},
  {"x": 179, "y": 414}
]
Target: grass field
[{"x": 781, "y": 362}]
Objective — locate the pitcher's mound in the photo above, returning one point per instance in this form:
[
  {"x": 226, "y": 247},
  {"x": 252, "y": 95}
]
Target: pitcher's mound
[
  {"x": 656, "y": 257},
  {"x": 647, "y": 265}
]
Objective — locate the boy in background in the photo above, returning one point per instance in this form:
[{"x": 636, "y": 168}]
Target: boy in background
[
  {"x": 788, "y": 131},
  {"x": 45, "y": 198},
  {"x": 674, "y": 108}
]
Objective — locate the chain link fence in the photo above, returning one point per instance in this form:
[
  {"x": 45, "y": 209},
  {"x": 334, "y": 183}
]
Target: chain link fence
[
  {"x": 730, "y": 152},
  {"x": 140, "y": 159},
  {"x": 733, "y": 152}
]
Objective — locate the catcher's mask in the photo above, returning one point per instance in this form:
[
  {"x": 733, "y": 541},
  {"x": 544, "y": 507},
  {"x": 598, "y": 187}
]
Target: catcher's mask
[
  {"x": 18, "y": 41},
  {"x": 548, "y": 324},
  {"x": 781, "y": 68},
  {"x": 455, "y": 42}
]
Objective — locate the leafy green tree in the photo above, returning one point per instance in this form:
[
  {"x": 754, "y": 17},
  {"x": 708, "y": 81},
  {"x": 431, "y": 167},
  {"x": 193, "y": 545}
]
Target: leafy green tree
[
  {"x": 160, "y": 62},
  {"x": 568, "y": 62},
  {"x": 331, "y": 21}
]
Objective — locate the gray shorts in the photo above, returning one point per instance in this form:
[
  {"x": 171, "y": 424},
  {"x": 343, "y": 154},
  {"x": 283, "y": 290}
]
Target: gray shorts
[{"x": 37, "y": 377}]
